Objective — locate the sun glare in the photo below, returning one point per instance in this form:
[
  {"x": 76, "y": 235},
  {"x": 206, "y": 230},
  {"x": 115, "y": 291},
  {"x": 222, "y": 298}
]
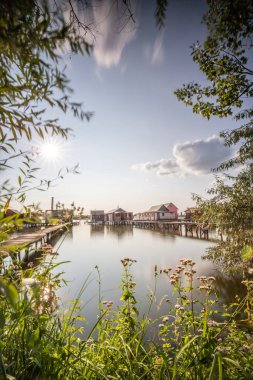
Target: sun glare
[{"x": 50, "y": 151}]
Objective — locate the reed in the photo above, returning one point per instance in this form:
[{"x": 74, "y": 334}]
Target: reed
[{"x": 193, "y": 340}]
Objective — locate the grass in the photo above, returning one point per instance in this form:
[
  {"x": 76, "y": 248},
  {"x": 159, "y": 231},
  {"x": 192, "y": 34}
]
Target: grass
[{"x": 193, "y": 340}]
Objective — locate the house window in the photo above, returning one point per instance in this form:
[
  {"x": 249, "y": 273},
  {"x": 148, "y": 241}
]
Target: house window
[{"x": 162, "y": 213}]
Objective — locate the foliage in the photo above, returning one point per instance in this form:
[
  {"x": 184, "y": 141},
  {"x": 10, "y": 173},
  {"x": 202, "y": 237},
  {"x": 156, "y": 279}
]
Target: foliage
[
  {"x": 193, "y": 342},
  {"x": 224, "y": 59},
  {"x": 33, "y": 37},
  {"x": 160, "y": 12},
  {"x": 231, "y": 210}
]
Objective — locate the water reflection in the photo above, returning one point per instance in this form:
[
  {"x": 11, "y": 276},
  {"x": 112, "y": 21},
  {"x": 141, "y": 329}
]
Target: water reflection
[
  {"x": 96, "y": 231},
  {"x": 120, "y": 232},
  {"x": 229, "y": 287},
  {"x": 106, "y": 246},
  {"x": 69, "y": 235},
  {"x": 163, "y": 234}
]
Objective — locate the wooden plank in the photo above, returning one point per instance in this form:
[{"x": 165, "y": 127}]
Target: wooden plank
[{"x": 32, "y": 237}]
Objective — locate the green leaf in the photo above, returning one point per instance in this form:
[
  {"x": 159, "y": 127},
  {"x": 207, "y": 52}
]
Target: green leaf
[
  {"x": 246, "y": 253},
  {"x": 10, "y": 292},
  {"x": 6, "y": 206}
]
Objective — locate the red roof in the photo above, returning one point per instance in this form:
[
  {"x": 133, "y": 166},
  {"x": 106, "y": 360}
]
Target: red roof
[{"x": 171, "y": 207}]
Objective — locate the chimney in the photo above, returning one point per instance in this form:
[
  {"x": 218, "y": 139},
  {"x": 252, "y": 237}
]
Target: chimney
[{"x": 52, "y": 203}]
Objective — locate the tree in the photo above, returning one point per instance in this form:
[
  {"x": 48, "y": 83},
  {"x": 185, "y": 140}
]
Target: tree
[
  {"x": 33, "y": 36},
  {"x": 224, "y": 58}
]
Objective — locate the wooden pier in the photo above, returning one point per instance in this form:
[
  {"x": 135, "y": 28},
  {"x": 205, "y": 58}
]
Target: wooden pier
[
  {"x": 23, "y": 241},
  {"x": 183, "y": 228}
]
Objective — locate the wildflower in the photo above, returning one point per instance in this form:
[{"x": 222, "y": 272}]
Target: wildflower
[
  {"x": 165, "y": 319},
  {"x": 177, "y": 306},
  {"x": 127, "y": 260},
  {"x": 161, "y": 325},
  {"x": 179, "y": 268},
  {"x": 29, "y": 281},
  {"x": 212, "y": 323},
  {"x": 246, "y": 347},
  {"x": 202, "y": 278},
  {"x": 185, "y": 261},
  {"x": 124, "y": 262},
  {"x": 108, "y": 304},
  {"x": 205, "y": 287}
]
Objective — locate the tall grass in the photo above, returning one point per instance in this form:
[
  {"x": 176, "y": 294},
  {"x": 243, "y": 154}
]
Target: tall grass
[{"x": 193, "y": 340}]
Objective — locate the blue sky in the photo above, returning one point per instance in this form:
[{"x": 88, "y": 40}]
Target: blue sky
[{"x": 142, "y": 147}]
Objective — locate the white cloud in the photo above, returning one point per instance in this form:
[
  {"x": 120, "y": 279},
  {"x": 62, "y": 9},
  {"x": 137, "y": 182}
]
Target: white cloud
[
  {"x": 200, "y": 156},
  {"x": 162, "y": 167},
  {"x": 155, "y": 54},
  {"x": 113, "y": 30},
  {"x": 194, "y": 157},
  {"x": 158, "y": 52}
]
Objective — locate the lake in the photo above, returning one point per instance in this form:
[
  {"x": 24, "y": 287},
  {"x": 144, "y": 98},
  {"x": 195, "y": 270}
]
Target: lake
[{"x": 87, "y": 247}]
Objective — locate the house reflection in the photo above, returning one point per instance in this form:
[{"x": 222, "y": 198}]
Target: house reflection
[
  {"x": 97, "y": 230},
  {"x": 120, "y": 231},
  {"x": 164, "y": 234}
]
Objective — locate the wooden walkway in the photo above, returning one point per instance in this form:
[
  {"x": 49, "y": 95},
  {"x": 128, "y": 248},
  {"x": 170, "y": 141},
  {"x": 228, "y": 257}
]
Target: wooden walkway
[{"x": 25, "y": 240}]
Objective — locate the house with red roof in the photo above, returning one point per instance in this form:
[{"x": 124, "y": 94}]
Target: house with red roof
[
  {"x": 165, "y": 212},
  {"x": 173, "y": 210}
]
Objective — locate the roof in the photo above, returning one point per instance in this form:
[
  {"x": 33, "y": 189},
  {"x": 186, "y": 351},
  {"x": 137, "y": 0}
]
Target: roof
[
  {"x": 97, "y": 212},
  {"x": 171, "y": 207},
  {"x": 158, "y": 208},
  {"x": 116, "y": 210}
]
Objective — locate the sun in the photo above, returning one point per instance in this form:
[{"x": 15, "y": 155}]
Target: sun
[{"x": 50, "y": 151}]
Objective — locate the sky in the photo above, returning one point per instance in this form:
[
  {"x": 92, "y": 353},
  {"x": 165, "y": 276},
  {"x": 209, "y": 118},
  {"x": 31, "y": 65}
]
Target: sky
[{"x": 141, "y": 147}]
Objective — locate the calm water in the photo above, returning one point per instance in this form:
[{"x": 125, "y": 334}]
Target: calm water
[{"x": 89, "y": 246}]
